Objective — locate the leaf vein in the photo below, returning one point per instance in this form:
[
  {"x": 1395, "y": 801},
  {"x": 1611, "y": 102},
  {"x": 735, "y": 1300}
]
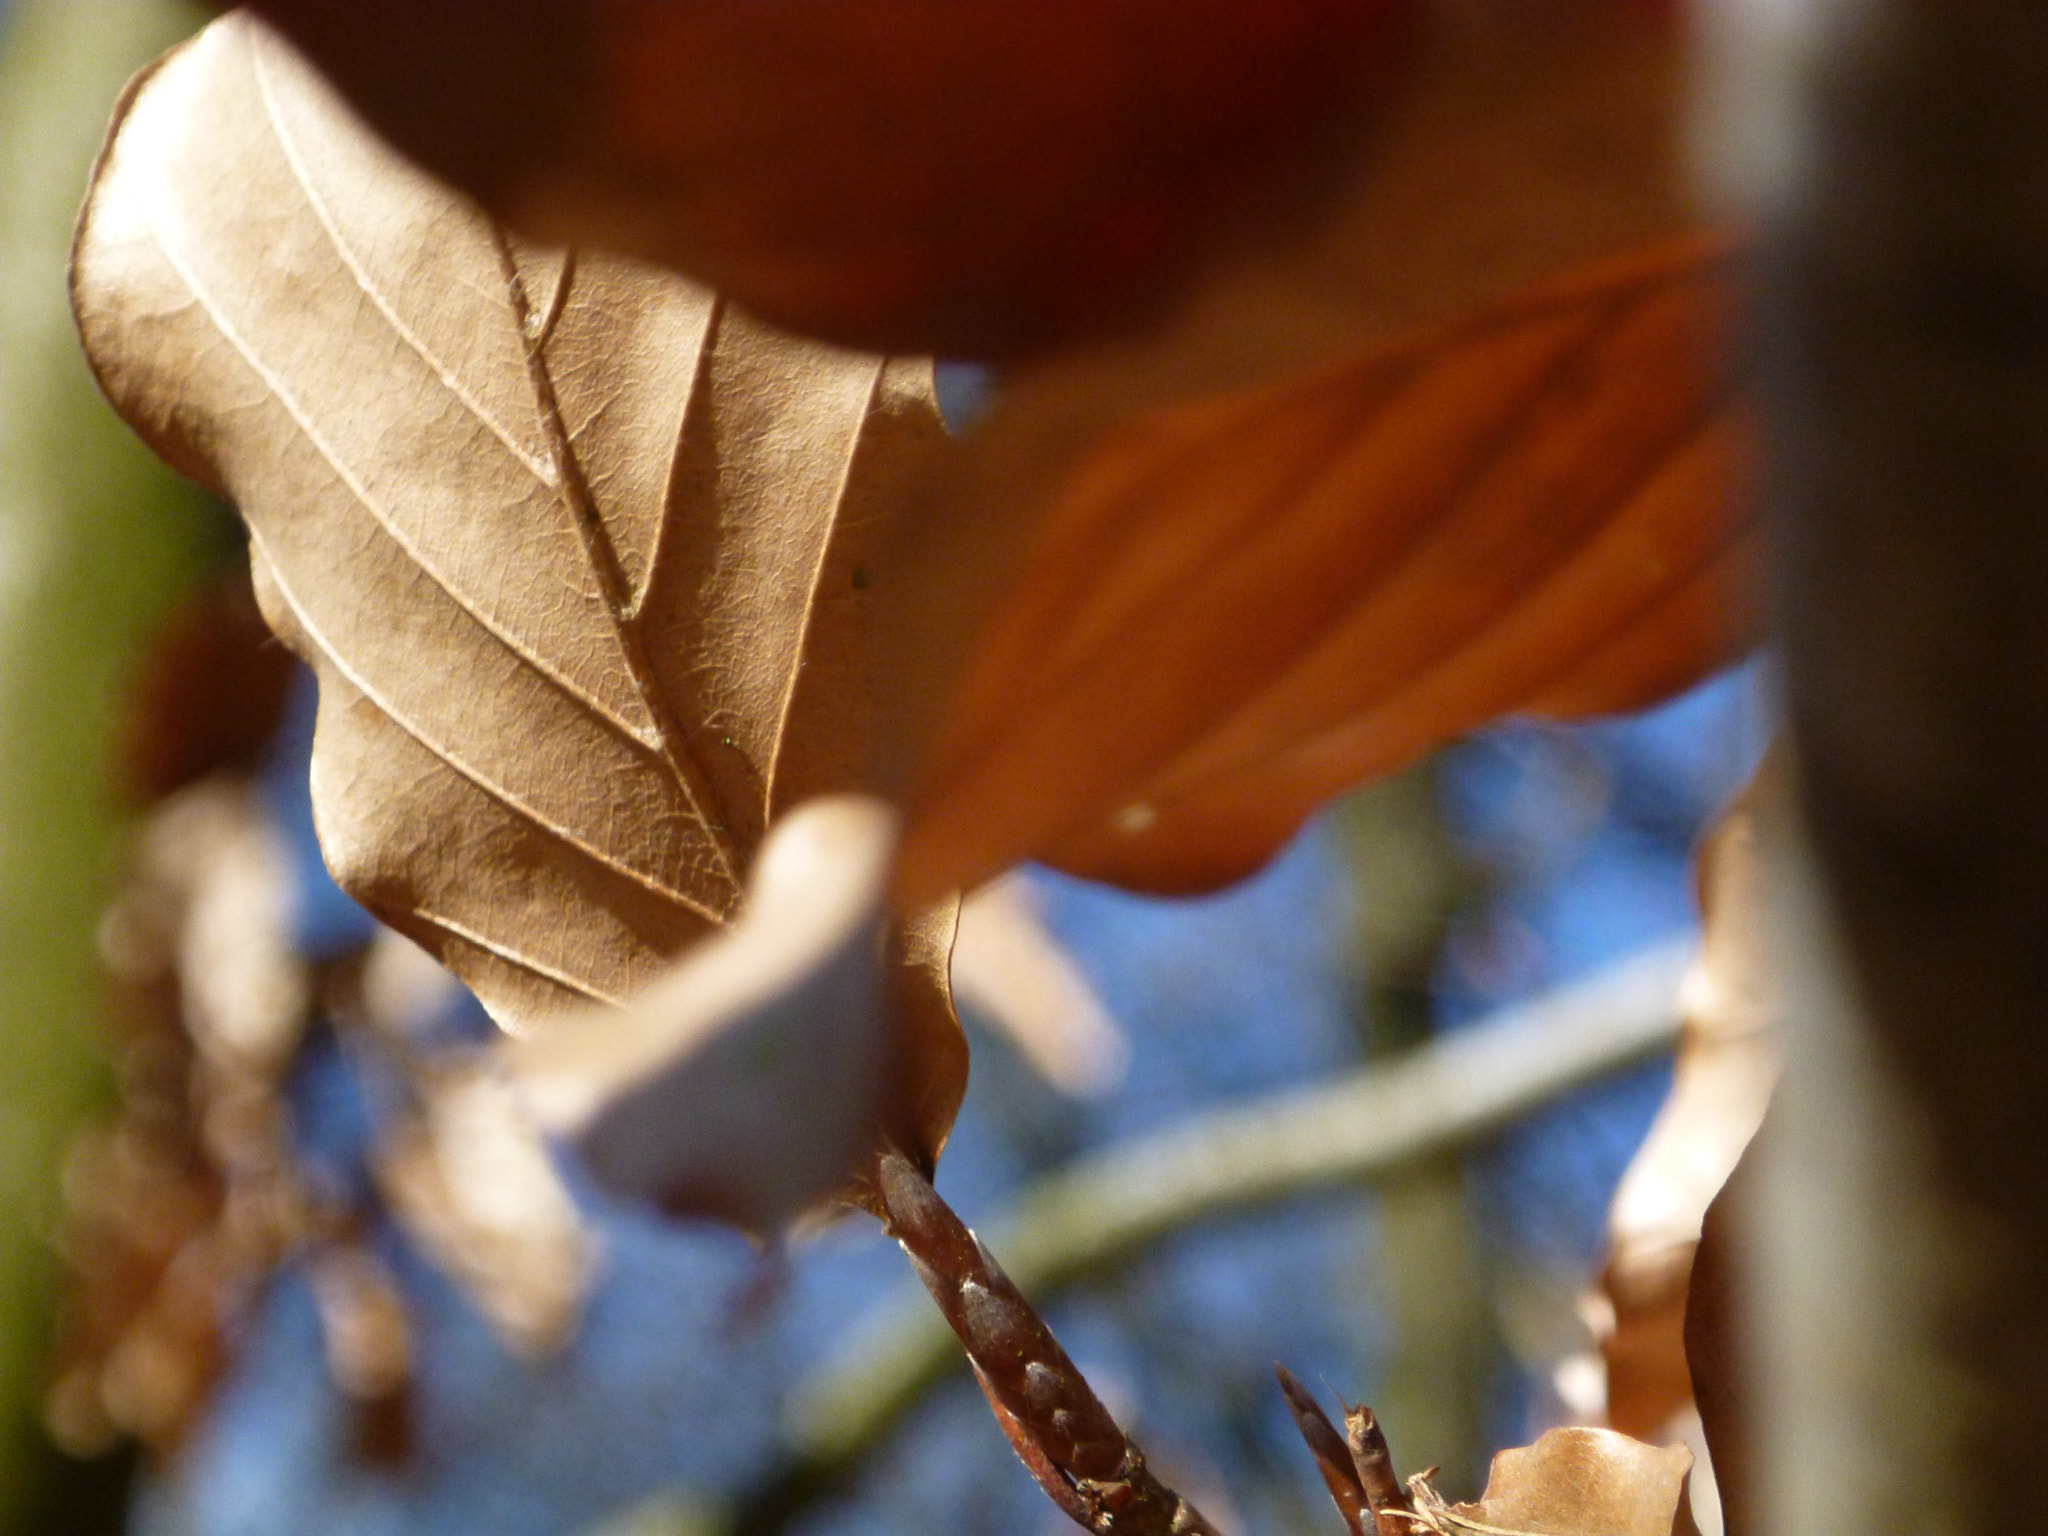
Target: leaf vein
[
  {"x": 832, "y": 529},
  {"x": 700, "y": 369},
  {"x": 575, "y": 495},
  {"x": 449, "y": 379},
  {"x": 508, "y": 798},
  {"x": 516, "y": 957},
  {"x": 303, "y": 419}
]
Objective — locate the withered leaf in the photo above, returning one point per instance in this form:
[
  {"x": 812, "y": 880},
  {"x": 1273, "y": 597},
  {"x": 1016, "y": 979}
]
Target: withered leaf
[
  {"x": 1239, "y": 607},
  {"x": 1574, "y": 1482},
  {"x": 1728, "y": 1061},
  {"x": 586, "y": 560},
  {"x": 741, "y": 1085}
]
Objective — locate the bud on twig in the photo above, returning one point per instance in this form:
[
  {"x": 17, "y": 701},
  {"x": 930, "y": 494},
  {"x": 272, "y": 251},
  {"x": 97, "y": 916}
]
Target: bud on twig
[{"x": 1059, "y": 1427}]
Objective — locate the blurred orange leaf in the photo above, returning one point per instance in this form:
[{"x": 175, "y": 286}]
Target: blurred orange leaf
[{"x": 1235, "y": 609}]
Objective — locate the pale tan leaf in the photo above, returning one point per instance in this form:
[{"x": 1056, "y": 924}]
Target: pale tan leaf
[
  {"x": 468, "y": 1173},
  {"x": 743, "y": 1083},
  {"x": 1010, "y": 971},
  {"x": 1574, "y": 1482},
  {"x": 587, "y": 561},
  {"x": 1728, "y": 1062}
]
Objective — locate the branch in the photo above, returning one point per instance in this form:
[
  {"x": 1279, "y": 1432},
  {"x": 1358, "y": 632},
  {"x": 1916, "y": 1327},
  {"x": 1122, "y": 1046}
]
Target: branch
[
  {"x": 1362, "y": 1128},
  {"x": 1059, "y": 1427}
]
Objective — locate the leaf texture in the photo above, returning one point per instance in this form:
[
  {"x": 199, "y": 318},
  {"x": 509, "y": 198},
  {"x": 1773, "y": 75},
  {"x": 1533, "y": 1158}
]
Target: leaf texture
[
  {"x": 587, "y": 560},
  {"x": 1577, "y": 1482},
  {"x": 1237, "y": 608}
]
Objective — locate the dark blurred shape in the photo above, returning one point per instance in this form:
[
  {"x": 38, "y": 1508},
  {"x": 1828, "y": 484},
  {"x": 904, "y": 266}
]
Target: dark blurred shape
[
  {"x": 481, "y": 92},
  {"x": 82, "y": 1496},
  {"x": 1904, "y": 329},
  {"x": 1715, "y": 1346},
  {"x": 967, "y": 176},
  {"x": 210, "y": 693}
]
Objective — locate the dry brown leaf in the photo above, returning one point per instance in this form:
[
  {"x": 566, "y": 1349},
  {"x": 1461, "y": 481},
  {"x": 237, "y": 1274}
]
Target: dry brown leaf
[
  {"x": 1519, "y": 141},
  {"x": 1573, "y": 1482},
  {"x": 1240, "y": 607},
  {"x": 1728, "y": 1058},
  {"x": 587, "y": 561}
]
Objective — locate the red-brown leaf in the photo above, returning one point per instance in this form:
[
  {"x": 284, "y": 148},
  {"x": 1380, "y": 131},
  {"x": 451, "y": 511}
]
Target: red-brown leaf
[
  {"x": 956, "y": 174},
  {"x": 1237, "y": 608}
]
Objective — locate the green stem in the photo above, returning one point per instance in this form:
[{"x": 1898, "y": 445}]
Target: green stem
[{"x": 94, "y": 537}]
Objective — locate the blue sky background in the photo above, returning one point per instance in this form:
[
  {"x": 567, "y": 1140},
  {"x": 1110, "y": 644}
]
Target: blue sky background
[{"x": 1579, "y": 839}]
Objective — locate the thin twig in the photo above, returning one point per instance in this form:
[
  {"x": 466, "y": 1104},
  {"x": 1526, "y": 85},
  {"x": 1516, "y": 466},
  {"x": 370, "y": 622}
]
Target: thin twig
[
  {"x": 1359, "y": 1129},
  {"x": 1060, "y": 1429},
  {"x": 1374, "y": 1463},
  {"x": 1333, "y": 1456}
]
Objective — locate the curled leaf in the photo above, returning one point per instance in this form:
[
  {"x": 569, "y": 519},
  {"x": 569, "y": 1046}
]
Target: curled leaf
[
  {"x": 744, "y": 1082},
  {"x": 1573, "y": 1482},
  {"x": 1011, "y": 972},
  {"x": 1728, "y": 1062},
  {"x": 587, "y": 561}
]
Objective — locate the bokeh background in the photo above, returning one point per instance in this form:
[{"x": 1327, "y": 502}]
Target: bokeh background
[{"x": 1449, "y": 1298}]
